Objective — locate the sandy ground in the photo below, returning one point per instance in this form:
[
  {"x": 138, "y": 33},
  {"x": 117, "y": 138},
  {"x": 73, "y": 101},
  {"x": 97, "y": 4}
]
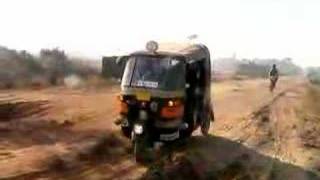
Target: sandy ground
[{"x": 60, "y": 133}]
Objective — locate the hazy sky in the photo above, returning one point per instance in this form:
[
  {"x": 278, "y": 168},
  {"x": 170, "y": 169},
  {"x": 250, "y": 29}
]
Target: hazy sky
[{"x": 251, "y": 28}]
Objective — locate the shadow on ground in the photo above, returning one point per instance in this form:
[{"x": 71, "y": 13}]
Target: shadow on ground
[
  {"x": 21, "y": 109},
  {"x": 219, "y": 158},
  {"x": 199, "y": 158},
  {"x": 86, "y": 160},
  {"x": 25, "y": 125},
  {"x": 24, "y": 130}
]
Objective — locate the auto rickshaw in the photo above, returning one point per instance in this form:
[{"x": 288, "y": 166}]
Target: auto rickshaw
[{"x": 165, "y": 95}]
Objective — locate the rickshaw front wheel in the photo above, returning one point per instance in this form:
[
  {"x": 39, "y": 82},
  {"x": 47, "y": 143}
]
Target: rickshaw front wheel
[{"x": 142, "y": 151}]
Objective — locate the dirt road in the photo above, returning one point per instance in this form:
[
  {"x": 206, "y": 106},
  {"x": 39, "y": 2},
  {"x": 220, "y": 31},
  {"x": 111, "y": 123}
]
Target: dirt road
[{"x": 69, "y": 134}]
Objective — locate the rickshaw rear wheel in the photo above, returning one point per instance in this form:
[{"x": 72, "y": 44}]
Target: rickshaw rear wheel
[
  {"x": 205, "y": 126},
  {"x": 186, "y": 133},
  {"x": 192, "y": 119}
]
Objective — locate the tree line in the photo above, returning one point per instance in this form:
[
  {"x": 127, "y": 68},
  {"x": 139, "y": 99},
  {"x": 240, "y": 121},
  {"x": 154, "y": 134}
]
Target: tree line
[{"x": 21, "y": 68}]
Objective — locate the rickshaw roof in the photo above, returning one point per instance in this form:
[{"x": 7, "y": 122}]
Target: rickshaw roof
[{"x": 191, "y": 51}]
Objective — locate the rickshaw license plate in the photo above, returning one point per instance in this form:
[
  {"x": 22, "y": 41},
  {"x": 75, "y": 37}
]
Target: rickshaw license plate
[
  {"x": 170, "y": 137},
  {"x": 143, "y": 96}
]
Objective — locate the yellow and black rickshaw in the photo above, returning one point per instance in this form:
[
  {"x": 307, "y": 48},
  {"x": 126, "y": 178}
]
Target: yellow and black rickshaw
[{"x": 165, "y": 94}]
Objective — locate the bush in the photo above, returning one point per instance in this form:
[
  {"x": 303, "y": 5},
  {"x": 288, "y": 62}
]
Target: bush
[
  {"x": 259, "y": 68},
  {"x": 253, "y": 70},
  {"x": 21, "y": 69},
  {"x": 313, "y": 75}
]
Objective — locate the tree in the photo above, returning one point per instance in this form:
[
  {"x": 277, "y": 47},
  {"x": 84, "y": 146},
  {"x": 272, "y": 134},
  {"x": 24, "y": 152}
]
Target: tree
[{"x": 55, "y": 61}]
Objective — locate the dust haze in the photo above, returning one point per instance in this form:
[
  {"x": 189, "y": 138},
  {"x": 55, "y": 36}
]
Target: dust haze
[{"x": 58, "y": 112}]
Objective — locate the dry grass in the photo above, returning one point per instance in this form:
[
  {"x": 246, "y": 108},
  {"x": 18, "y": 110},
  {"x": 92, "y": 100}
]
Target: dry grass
[
  {"x": 310, "y": 118},
  {"x": 105, "y": 148},
  {"x": 312, "y": 99},
  {"x": 109, "y": 148}
]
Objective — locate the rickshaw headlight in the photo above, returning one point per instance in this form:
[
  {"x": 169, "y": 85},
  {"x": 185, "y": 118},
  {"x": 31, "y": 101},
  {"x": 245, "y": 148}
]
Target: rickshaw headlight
[{"x": 138, "y": 129}]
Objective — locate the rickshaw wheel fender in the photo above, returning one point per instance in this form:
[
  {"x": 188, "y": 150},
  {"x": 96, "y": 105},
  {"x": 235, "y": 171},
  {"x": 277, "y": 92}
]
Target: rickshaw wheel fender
[{"x": 126, "y": 131}]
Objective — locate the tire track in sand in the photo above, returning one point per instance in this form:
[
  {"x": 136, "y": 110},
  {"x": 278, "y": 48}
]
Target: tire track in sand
[{"x": 271, "y": 130}]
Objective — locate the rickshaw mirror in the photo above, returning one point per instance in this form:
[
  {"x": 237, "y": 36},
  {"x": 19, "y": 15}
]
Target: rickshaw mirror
[{"x": 118, "y": 60}]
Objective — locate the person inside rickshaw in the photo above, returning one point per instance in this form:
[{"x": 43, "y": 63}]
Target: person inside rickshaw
[
  {"x": 149, "y": 70},
  {"x": 195, "y": 92},
  {"x": 200, "y": 90},
  {"x": 161, "y": 73}
]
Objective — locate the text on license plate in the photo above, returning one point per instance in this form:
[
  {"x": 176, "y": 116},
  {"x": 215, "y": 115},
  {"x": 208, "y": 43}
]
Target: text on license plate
[{"x": 169, "y": 137}]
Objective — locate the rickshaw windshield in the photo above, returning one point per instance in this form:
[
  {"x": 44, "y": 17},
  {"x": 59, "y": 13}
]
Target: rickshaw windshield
[{"x": 164, "y": 73}]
